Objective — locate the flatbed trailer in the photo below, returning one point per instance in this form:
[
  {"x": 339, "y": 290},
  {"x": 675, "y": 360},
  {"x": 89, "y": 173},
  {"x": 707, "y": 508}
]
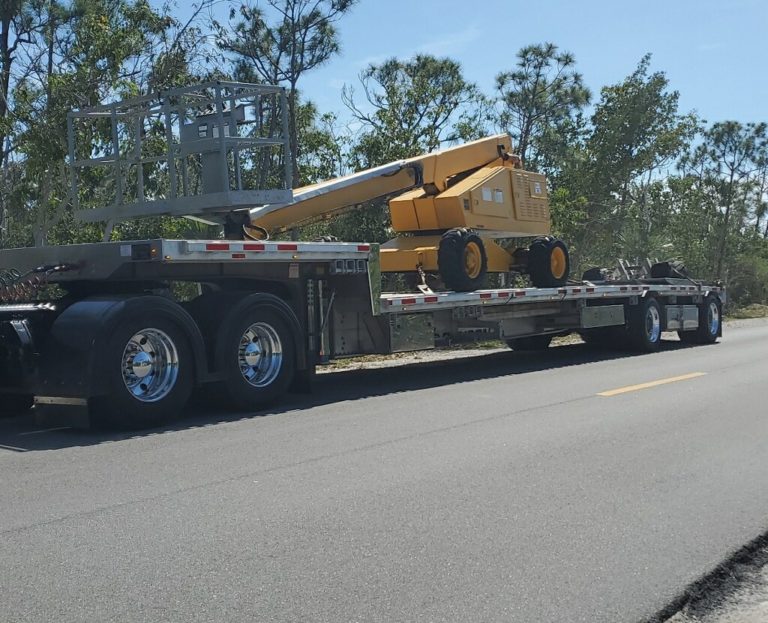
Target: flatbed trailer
[{"x": 124, "y": 331}]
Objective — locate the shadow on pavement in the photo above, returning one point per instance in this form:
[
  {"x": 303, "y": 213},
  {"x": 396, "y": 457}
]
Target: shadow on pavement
[{"x": 52, "y": 431}]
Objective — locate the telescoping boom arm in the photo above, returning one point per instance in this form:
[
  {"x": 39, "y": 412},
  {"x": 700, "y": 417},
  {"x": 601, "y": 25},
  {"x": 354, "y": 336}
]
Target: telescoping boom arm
[{"x": 431, "y": 172}]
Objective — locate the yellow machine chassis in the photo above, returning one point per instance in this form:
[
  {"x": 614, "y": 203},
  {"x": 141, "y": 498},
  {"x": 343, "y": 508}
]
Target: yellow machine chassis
[{"x": 407, "y": 254}]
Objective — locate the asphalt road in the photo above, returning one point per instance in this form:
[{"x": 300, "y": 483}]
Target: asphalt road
[{"x": 501, "y": 488}]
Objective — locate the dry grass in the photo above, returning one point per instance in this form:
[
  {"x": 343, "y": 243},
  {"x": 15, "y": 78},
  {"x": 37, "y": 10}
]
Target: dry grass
[{"x": 750, "y": 311}]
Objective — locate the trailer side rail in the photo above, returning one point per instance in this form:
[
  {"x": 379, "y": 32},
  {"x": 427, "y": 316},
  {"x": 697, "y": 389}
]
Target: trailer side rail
[{"x": 394, "y": 303}]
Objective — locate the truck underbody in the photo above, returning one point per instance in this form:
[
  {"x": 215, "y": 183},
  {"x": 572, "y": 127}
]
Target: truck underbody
[{"x": 123, "y": 331}]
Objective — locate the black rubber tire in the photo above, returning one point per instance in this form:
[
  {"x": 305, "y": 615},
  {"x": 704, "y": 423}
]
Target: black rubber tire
[
  {"x": 540, "y": 266},
  {"x": 450, "y": 260},
  {"x": 118, "y": 408},
  {"x": 533, "y": 342},
  {"x": 709, "y": 328},
  {"x": 644, "y": 330},
  {"x": 239, "y": 393},
  {"x": 15, "y": 404}
]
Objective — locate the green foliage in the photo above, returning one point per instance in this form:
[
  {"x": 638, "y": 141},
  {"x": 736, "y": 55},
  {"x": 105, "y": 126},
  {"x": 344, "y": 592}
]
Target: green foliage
[
  {"x": 539, "y": 101},
  {"x": 411, "y": 107},
  {"x": 281, "y": 44}
]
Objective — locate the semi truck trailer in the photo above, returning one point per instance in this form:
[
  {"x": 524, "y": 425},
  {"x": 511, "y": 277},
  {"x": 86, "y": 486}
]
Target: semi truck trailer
[{"x": 123, "y": 331}]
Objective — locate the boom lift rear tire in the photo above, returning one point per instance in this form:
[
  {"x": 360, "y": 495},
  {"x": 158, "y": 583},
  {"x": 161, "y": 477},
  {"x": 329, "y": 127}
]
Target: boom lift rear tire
[
  {"x": 148, "y": 367},
  {"x": 462, "y": 260},
  {"x": 548, "y": 262}
]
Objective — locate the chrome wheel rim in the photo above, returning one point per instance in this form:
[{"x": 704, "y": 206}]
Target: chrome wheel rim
[
  {"x": 150, "y": 365},
  {"x": 653, "y": 324},
  {"x": 260, "y": 355},
  {"x": 713, "y": 314}
]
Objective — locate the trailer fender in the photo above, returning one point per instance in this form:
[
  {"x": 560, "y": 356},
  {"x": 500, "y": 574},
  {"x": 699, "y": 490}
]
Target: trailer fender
[{"x": 69, "y": 362}]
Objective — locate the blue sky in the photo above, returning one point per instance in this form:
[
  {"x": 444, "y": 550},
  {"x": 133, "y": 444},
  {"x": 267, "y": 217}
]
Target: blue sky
[{"x": 714, "y": 53}]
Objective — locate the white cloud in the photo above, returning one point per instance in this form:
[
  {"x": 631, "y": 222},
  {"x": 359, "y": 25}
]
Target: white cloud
[
  {"x": 376, "y": 59},
  {"x": 448, "y": 44},
  {"x": 451, "y": 43}
]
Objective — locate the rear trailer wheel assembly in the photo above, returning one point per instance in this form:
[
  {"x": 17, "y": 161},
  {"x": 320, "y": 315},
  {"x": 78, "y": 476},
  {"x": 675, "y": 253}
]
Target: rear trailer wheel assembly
[
  {"x": 462, "y": 260},
  {"x": 644, "y": 329},
  {"x": 710, "y": 319},
  {"x": 256, "y": 354},
  {"x": 548, "y": 262},
  {"x": 148, "y": 367}
]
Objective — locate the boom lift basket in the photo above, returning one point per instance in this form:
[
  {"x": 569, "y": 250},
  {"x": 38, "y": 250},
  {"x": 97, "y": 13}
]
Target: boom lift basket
[{"x": 200, "y": 151}]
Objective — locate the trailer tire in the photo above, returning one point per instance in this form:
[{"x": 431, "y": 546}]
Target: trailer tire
[
  {"x": 548, "y": 262},
  {"x": 257, "y": 356},
  {"x": 462, "y": 260},
  {"x": 710, "y": 319},
  {"x": 645, "y": 326},
  {"x": 146, "y": 345},
  {"x": 532, "y": 342}
]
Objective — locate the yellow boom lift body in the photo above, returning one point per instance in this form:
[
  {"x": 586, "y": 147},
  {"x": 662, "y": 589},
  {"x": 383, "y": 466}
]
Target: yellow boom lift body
[{"x": 448, "y": 206}]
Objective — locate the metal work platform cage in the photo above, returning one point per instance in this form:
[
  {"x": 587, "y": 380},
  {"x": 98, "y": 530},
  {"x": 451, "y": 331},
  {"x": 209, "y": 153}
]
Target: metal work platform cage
[{"x": 200, "y": 151}]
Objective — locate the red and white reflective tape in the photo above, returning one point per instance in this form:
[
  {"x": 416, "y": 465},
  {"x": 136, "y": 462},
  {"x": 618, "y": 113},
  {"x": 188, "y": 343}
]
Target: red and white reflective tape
[
  {"x": 393, "y": 302},
  {"x": 224, "y": 249}
]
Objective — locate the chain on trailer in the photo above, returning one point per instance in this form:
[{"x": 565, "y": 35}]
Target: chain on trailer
[{"x": 18, "y": 287}]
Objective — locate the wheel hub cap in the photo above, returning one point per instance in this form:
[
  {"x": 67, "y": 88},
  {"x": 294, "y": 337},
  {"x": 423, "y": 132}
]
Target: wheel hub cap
[
  {"x": 714, "y": 318},
  {"x": 653, "y": 324},
  {"x": 260, "y": 354},
  {"x": 472, "y": 260},
  {"x": 150, "y": 365},
  {"x": 557, "y": 263},
  {"x": 141, "y": 364}
]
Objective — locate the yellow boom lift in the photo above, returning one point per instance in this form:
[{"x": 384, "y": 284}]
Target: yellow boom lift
[{"x": 449, "y": 207}]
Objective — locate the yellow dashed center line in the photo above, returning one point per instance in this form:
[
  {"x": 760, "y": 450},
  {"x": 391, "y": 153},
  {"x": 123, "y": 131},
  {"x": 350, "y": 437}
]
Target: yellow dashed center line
[{"x": 634, "y": 388}]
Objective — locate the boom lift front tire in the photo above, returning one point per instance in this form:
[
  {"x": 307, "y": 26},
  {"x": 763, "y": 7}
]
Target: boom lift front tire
[
  {"x": 148, "y": 367},
  {"x": 462, "y": 260},
  {"x": 548, "y": 262},
  {"x": 256, "y": 353}
]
